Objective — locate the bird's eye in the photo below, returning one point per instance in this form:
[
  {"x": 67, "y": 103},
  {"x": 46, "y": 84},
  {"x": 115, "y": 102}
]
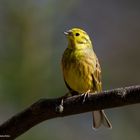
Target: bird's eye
[{"x": 77, "y": 34}]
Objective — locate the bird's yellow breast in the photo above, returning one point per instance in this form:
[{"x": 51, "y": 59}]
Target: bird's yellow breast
[{"x": 78, "y": 70}]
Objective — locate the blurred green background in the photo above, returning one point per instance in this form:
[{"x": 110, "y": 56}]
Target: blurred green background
[{"x": 31, "y": 46}]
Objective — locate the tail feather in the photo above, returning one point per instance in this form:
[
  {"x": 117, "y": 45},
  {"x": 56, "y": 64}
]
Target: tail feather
[{"x": 99, "y": 118}]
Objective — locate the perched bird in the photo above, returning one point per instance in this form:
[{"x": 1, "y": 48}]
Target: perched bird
[{"x": 81, "y": 70}]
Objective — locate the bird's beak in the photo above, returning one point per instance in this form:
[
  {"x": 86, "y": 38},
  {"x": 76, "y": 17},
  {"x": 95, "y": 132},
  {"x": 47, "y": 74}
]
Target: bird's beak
[{"x": 68, "y": 32}]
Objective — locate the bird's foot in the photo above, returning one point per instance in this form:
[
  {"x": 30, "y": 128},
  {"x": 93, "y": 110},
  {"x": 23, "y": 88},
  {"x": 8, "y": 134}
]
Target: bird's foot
[
  {"x": 60, "y": 107},
  {"x": 85, "y": 95}
]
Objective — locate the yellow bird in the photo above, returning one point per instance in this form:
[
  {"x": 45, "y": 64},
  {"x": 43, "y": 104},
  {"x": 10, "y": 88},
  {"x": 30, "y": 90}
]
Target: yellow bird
[{"x": 81, "y": 70}]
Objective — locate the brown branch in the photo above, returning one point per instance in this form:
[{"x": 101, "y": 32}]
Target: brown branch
[{"x": 45, "y": 109}]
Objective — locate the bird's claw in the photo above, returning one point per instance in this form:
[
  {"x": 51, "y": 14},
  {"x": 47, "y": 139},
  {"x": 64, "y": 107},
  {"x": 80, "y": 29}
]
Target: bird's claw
[{"x": 85, "y": 95}]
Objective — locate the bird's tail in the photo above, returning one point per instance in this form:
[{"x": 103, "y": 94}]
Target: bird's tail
[{"x": 100, "y": 118}]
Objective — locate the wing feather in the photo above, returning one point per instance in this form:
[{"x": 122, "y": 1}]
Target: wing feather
[{"x": 97, "y": 76}]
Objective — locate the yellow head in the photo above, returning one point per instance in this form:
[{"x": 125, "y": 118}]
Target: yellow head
[{"x": 78, "y": 39}]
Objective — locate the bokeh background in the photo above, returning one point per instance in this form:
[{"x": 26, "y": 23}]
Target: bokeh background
[{"x": 31, "y": 46}]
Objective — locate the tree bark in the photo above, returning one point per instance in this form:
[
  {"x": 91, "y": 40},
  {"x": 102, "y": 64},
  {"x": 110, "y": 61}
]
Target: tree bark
[{"x": 45, "y": 109}]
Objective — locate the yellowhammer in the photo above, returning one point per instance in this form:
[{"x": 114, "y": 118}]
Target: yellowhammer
[{"x": 81, "y": 70}]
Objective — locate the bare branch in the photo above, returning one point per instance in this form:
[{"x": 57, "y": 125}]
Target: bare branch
[{"x": 45, "y": 109}]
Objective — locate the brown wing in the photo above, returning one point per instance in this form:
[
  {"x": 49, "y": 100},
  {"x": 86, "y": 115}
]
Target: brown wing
[{"x": 97, "y": 77}]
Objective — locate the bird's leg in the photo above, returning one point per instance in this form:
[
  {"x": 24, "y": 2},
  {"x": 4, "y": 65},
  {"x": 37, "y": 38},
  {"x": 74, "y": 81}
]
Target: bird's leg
[
  {"x": 65, "y": 96},
  {"x": 85, "y": 95},
  {"x": 60, "y": 107}
]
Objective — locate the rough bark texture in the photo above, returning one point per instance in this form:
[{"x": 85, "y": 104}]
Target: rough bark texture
[{"x": 45, "y": 109}]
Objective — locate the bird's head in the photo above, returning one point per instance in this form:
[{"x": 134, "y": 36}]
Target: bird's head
[{"x": 78, "y": 39}]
